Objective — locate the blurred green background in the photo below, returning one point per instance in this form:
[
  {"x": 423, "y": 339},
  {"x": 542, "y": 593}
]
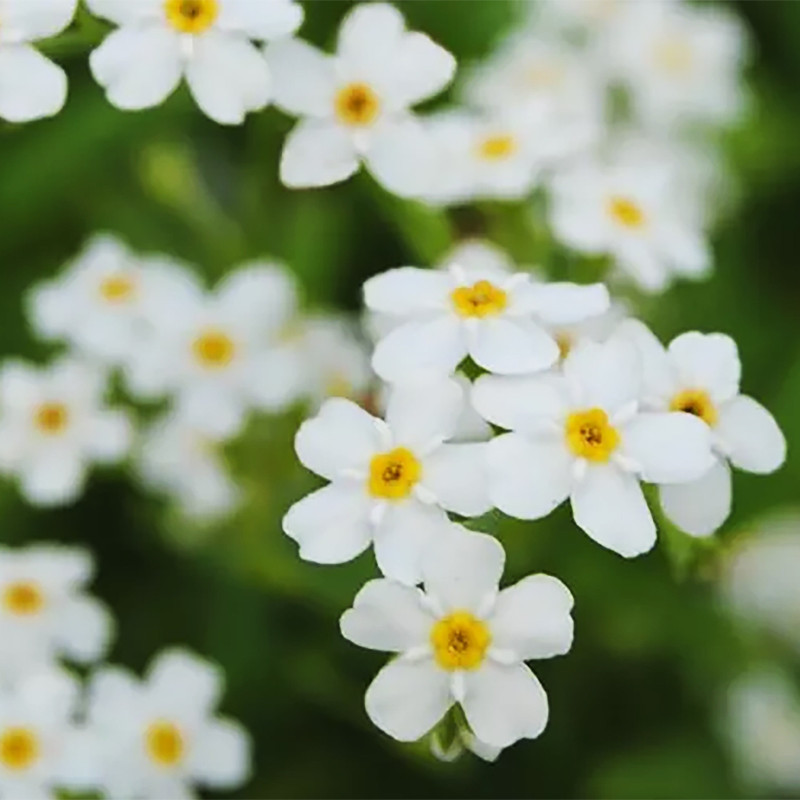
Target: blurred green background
[{"x": 634, "y": 705}]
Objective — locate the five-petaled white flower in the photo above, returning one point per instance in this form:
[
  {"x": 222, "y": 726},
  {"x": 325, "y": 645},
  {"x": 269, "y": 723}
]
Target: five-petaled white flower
[
  {"x": 45, "y": 613},
  {"x": 461, "y": 641},
  {"x": 42, "y": 749},
  {"x": 352, "y": 100},
  {"x": 31, "y": 86},
  {"x": 633, "y": 212},
  {"x": 220, "y": 354},
  {"x": 159, "y": 737},
  {"x": 209, "y": 42},
  {"x": 449, "y": 315},
  {"x": 581, "y": 435},
  {"x": 391, "y": 481},
  {"x": 699, "y": 374},
  {"x": 54, "y": 425}
]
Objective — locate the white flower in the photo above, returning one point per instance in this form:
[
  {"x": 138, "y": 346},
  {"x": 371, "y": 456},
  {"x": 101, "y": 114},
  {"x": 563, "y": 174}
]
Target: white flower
[
  {"x": 219, "y": 354},
  {"x": 352, "y": 100},
  {"x": 699, "y": 374},
  {"x": 391, "y": 481},
  {"x": 45, "y": 612},
  {"x": 762, "y": 726},
  {"x": 681, "y": 63},
  {"x": 449, "y": 315},
  {"x": 42, "y": 750},
  {"x": 159, "y": 737},
  {"x": 188, "y": 464},
  {"x": 207, "y": 42},
  {"x": 335, "y": 360},
  {"x": 32, "y": 85},
  {"x": 632, "y": 212},
  {"x": 461, "y": 641},
  {"x": 581, "y": 435},
  {"x": 97, "y": 305},
  {"x": 54, "y": 425}
]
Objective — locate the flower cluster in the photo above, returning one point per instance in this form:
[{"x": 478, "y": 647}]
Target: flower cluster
[{"x": 112, "y": 734}]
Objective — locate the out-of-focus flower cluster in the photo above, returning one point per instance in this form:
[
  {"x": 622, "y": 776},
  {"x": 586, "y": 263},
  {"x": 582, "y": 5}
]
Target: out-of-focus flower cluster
[{"x": 105, "y": 732}]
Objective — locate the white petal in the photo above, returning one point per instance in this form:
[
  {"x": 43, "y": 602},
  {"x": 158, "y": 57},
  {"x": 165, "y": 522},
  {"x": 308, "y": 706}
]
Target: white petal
[
  {"x": 41, "y": 19},
  {"x": 504, "y": 704},
  {"x": 53, "y": 479},
  {"x": 260, "y": 21},
  {"x": 532, "y": 618},
  {"x": 342, "y": 436},
  {"x": 609, "y": 505},
  {"x": 457, "y": 474},
  {"x": 433, "y": 347},
  {"x": 606, "y": 376},
  {"x": 228, "y": 77},
  {"x": 277, "y": 378},
  {"x": 181, "y": 681},
  {"x": 659, "y": 378},
  {"x": 123, "y": 12},
  {"x": 139, "y": 67},
  {"x": 317, "y": 153},
  {"x": 32, "y": 86},
  {"x": 564, "y": 303},
  {"x": 510, "y": 347},
  {"x": 403, "y": 537},
  {"x": 407, "y": 698},
  {"x": 220, "y": 755},
  {"x": 260, "y": 293},
  {"x": 701, "y": 507},
  {"x": 671, "y": 447},
  {"x": 386, "y": 616},
  {"x": 518, "y": 402},
  {"x": 110, "y": 436},
  {"x": 528, "y": 478},
  {"x": 461, "y": 568},
  {"x": 303, "y": 77},
  {"x": 424, "y": 410},
  {"x": 420, "y": 69},
  {"x": 368, "y": 33},
  {"x": 85, "y": 629},
  {"x": 331, "y": 525},
  {"x": 407, "y": 290},
  {"x": 212, "y": 407},
  {"x": 750, "y": 436},
  {"x": 707, "y": 361}
]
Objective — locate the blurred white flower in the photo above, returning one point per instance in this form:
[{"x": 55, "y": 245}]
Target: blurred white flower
[
  {"x": 699, "y": 374},
  {"x": 682, "y": 63},
  {"x": 391, "y": 481},
  {"x": 207, "y": 42},
  {"x": 188, "y": 465},
  {"x": 160, "y": 737},
  {"x": 761, "y": 724},
  {"x": 54, "y": 424},
  {"x": 632, "y": 212},
  {"x": 461, "y": 641},
  {"x": 219, "y": 354},
  {"x": 42, "y": 750},
  {"x": 334, "y": 358},
  {"x": 449, "y": 315},
  {"x": 45, "y": 613},
  {"x": 32, "y": 86},
  {"x": 352, "y": 100},
  {"x": 588, "y": 19},
  {"x": 581, "y": 435},
  {"x": 97, "y": 304}
]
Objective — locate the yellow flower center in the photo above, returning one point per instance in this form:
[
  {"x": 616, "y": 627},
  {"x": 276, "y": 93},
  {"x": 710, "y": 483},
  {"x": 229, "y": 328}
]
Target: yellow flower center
[
  {"x": 696, "y": 402},
  {"x": 214, "y": 349},
  {"x": 590, "y": 435},
  {"x": 191, "y": 16},
  {"x": 51, "y": 418},
  {"x": 497, "y": 147},
  {"x": 357, "y": 105},
  {"x": 116, "y": 289},
  {"x": 393, "y": 475},
  {"x": 460, "y": 641},
  {"x": 19, "y": 748},
  {"x": 164, "y": 743},
  {"x": 482, "y": 299},
  {"x": 23, "y": 598},
  {"x": 674, "y": 55},
  {"x": 626, "y": 212}
]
